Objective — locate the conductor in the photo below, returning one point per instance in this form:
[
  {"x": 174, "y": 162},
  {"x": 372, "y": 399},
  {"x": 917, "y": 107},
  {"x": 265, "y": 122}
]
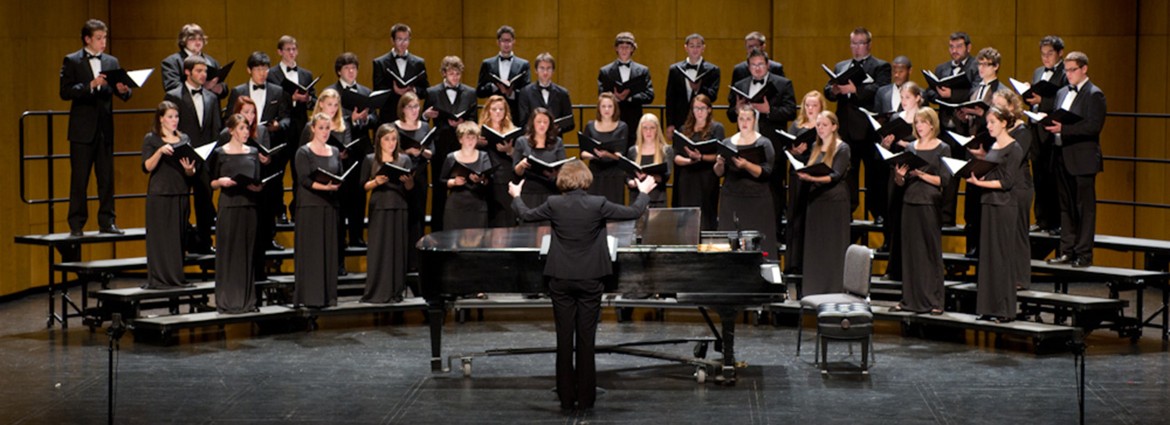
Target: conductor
[{"x": 578, "y": 259}]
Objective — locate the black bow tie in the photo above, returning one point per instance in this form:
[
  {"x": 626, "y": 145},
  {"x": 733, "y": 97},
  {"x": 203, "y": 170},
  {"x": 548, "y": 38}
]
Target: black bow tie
[
  {"x": 89, "y": 56},
  {"x": 292, "y": 69},
  {"x": 626, "y": 65},
  {"x": 1053, "y": 69},
  {"x": 956, "y": 64},
  {"x": 258, "y": 87},
  {"x": 351, "y": 88},
  {"x": 691, "y": 66},
  {"x": 196, "y": 92},
  {"x": 545, "y": 88},
  {"x": 449, "y": 88},
  {"x": 397, "y": 57},
  {"x": 757, "y": 82},
  {"x": 505, "y": 58},
  {"x": 1072, "y": 88},
  {"x": 858, "y": 62}
]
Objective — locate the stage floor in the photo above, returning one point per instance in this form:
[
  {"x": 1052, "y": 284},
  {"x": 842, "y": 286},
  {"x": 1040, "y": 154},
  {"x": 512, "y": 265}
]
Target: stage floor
[{"x": 360, "y": 369}]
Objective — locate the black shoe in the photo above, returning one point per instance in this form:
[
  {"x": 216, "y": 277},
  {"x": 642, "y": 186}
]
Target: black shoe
[
  {"x": 76, "y": 233},
  {"x": 1034, "y": 228},
  {"x": 1082, "y": 262},
  {"x": 885, "y": 247},
  {"x": 973, "y": 253},
  {"x": 1055, "y": 231},
  {"x": 275, "y": 247},
  {"x": 1062, "y": 259},
  {"x": 202, "y": 250},
  {"x": 357, "y": 243},
  {"x": 283, "y": 219},
  {"x": 879, "y": 220},
  {"x": 112, "y": 229}
]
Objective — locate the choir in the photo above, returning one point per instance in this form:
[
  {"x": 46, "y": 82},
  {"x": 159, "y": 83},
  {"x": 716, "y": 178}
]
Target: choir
[{"x": 1043, "y": 136}]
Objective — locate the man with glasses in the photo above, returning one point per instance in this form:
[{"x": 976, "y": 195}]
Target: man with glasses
[{"x": 401, "y": 71}]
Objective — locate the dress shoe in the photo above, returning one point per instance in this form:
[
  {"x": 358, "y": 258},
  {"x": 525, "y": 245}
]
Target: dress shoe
[
  {"x": 885, "y": 247},
  {"x": 1034, "y": 228},
  {"x": 1055, "y": 231},
  {"x": 283, "y": 219},
  {"x": 1062, "y": 259},
  {"x": 357, "y": 243},
  {"x": 274, "y": 247},
  {"x": 202, "y": 250},
  {"x": 973, "y": 253},
  {"x": 1082, "y": 262},
  {"x": 879, "y": 220},
  {"x": 76, "y": 233},
  {"x": 112, "y": 229}
]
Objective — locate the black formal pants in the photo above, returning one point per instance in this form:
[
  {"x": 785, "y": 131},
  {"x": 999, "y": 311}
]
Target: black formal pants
[
  {"x": 1047, "y": 178},
  {"x": 98, "y": 154},
  {"x": 1078, "y": 211},
  {"x": 576, "y": 308},
  {"x": 972, "y": 215},
  {"x": 204, "y": 208},
  {"x": 877, "y": 176}
]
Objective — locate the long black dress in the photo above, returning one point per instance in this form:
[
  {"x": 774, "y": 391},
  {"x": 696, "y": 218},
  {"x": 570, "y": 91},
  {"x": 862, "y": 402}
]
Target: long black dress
[
  {"x": 417, "y": 199},
  {"x": 696, "y": 185},
  {"x": 658, "y": 195},
  {"x": 537, "y": 188},
  {"x": 235, "y": 233},
  {"x": 500, "y": 213},
  {"x": 317, "y": 250},
  {"x": 389, "y": 235},
  {"x": 999, "y": 240},
  {"x": 892, "y": 227},
  {"x": 797, "y": 202},
  {"x": 167, "y": 207},
  {"x": 921, "y": 228},
  {"x": 1024, "y": 192},
  {"x": 827, "y": 221},
  {"x": 467, "y": 205},
  {"x": 749, "y": 200},
  {"x": 609, "y": 180}
]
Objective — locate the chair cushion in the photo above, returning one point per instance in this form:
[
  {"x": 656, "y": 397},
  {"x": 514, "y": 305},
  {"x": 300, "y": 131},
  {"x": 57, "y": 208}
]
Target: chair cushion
[
  {"x": 844, "y": 319},
  {"x": 815, "y": 301}
]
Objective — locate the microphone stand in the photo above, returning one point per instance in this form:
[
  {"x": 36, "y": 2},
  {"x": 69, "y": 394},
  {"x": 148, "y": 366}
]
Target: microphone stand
[{"x": 115, "y": 331}]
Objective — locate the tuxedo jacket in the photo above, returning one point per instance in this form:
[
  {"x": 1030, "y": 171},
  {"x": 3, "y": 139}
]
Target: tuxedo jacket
[
  {"x": 88, "y": 111},
  {"x": 1048, "y": 104},
  {"x": 200, "y": 133},
  {"x": 970, "y": 69},
  {"x": 782, "y": 102},
  {"x": 741, "y": 70},
  {"x": 578, "y": 248},
  {"x": 631, "y": 108},
  {"x": 559, "y": 104},
  {"x": 385, "y": 67},
  {"x": 365, "y": 129},
  {"x": 1081, "y": 142},
  {"x": 678, "y": 104},
  {"x": 854, "y": 125},
  {"x": 487, "y": 87},
  {"x": 172, "y": 69},
  {"x": 298, "y": 112},
  {"x": 276, "y": 104},
  {"x": 882, "y": 103}
]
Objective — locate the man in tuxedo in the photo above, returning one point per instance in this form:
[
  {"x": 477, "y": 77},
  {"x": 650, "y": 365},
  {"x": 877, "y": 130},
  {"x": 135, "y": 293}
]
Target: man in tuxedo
[
  {"x": 546, "y": 94},
  {"x": 91, "y": 126},
  {"x": 855, "y": 127},
  {"x": 1047, "y": 204},
  {"x": 888, "y": 100},
  {"x": 688, "y": 78},
  {"x": 1078, "y": 160},
  {"x": 394, "y": 68},
  {"x": 629, "y": 81},
  {"x": 199, "y": 119},
  {"x": 887, "y": 104},
  {"x": 300, "y": 103},
  {"x": 192, "y": 40},
  {"x": 755, "y": 40},
  {"x": 959, "y": 48},
  {"x": 449, "y": 104},
  {"x": 774, "y": 100},
  {"x": 505, "y": 66},
  {"x": 360, "y": 122}
]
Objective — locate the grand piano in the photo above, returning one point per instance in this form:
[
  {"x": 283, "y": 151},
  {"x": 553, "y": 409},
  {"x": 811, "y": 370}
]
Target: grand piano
[{"x": 456, "y": 263}]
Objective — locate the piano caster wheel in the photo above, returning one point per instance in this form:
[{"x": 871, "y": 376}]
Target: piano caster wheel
[
  {"x": 466, "y": 367},
  {"x": 701, "y": 374}
]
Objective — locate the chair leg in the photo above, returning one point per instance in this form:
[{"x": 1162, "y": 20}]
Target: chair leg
[
  {"x": 823, "y": 348},
  {"x": 799, "y": 328},
  {"x": 865, "y": 346}
]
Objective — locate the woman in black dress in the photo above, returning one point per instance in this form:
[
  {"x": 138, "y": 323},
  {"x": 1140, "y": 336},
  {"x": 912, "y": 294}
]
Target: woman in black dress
[
  {"x": 271, "y": 195},
  {"x": 811, "y": 106},
  {"x": 650, "y": 148},
  {"x": 608, "y": 179},
  {"x": 1024, "y": 192},
  {"x": 695, "y": 182},
  {"x": 389, "y": 237},
  {"x": 922, "y": 266},
  {"x": 911, "y": 95},
  {"x": 827, "y": 215},
  {"x": 497, "y": 115},
  {"x": 468, "y": 191},
  {"x": 745, "y": 201},
  {"x": 541, "y": 140},
  {"x": 999, "y": 235},
  {"x": 317, "y": 249},
  {"x": 235, "y": 229},
  {"x": 410, "y": 126},
  {"x": 167, "y": 199}
]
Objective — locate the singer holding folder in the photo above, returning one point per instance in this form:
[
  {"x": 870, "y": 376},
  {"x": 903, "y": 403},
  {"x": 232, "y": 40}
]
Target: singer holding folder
[
  {"x": 390, "y": 241},
  {"x": 827, "y": 215},
  {"x": 578, "y": 258},
  {"x": 650, "y": 149},
  {"x": 608, "y": 177},
  {"x": 235, "y": 230},
  {"x": 541, "y": 141},
  {"x": 922, "y": 266},
  {"x": 167, "y": 199},
  {"x": 745, "y": 203},
  {"x": 695, "y": 182},
  {"x": 468, "y": 190},
  {"x": 317, "y": 254}
]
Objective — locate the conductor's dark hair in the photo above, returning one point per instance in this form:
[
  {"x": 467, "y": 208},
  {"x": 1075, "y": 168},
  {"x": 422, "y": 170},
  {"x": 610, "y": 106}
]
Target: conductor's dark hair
[
  {"x": 161, "y": 110},
  {"x": 347, "y": 58},
  {"x": 574, "y": 175},
  {"x": 506, "y": 29},
  {"x": 960, "y": 35},
  {"x": 1055, "y": 42},
  {"x": 91, "y": 26},
  {"x": 259, "y": 58},
  {"x": 399, "y": 27},
  {"x": 191, "y": 61}
]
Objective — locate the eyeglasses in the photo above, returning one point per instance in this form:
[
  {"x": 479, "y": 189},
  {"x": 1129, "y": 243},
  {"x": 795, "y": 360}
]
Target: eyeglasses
[
  {"x": 984, "y": 63},
  {"x": 758, "y": 65},
  {"x": 1068, "y": 69}
]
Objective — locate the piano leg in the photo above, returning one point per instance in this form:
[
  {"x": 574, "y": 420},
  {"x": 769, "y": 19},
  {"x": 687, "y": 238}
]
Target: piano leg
[
  {"x": 727, "y": 315},
  {"x": 436, "y": 312}
]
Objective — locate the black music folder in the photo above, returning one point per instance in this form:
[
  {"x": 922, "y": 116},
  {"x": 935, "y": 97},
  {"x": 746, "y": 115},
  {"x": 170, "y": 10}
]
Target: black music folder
[
  {"x": 290, "y": 87},
  {"x": 979, "y": 104},
  {"x": 393, "y": 171},
  {"x": 264, "y": 150},
  {"x": 963, "y": 169},
  {"x": 1062, "y": 116},
  {"x": 957, "y": 81},
  {"x": 466, "y": 170},
  {"x": 906, "y": 158},
  {"x": 983, "y": 140},
  {"x": 408, "y": 142},
  {"x": 854, "y": 73},
  {"x": 249, "y": 180},
  {"x": 632, "y": 167},
  {"x": 221, "y": 72},
  {"x": 496, "y": 138},
  {"x": 591, "y": 145},
  {"x": 816, "y": 170},
  {"x": 355, "y": 101},
  {"x": 189, "y": 151},
  {"x": 560, "y": 121},
  {"x": 804, "y": 138},
  {"x": 760, "y": 96},
  {"x": 698, "y": 75},
  {"x": 703, "y": 146},
  {"x": 536, "y": 165},
  {"x": 895, "y": 125},
  {"x": 325, "y": 177},
  {"x": 1044, "y": 88},
  {"x": 448, "y": 115},
  {"x": 404, "y": 83},
  {"x": 508, "y": 83},
  {"x": 754, "y": 154},
  {"x": 635, "y": 85},
  {"x": 133, "y": 79}
]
